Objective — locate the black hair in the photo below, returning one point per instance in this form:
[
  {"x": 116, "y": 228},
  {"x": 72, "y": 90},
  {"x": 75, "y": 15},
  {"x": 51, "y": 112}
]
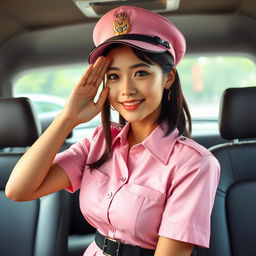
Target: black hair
[{"x": 174, "y": 111}]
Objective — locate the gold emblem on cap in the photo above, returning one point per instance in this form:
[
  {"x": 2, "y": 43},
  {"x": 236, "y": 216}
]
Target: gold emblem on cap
[{"x": 121, "y": 24}]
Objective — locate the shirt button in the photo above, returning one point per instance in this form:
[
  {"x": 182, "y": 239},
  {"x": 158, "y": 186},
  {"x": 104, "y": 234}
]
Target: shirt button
[
  {"x": 112, "y": 230},
  {"x": 123, "y": 179},
  {"x": 109, "y": 195}
]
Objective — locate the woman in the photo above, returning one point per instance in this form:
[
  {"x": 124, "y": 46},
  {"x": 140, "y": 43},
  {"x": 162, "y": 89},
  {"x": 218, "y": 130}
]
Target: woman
[{"x": 144, "y": 185}]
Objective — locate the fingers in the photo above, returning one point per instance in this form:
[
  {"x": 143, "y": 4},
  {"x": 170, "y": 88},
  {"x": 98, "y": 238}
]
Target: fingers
[
  {"x": 102, "y": 72},
  {"x": 85, "y": 76},
  {"x": 95, "y": 73},
  {"x": 102, "y": 98}
]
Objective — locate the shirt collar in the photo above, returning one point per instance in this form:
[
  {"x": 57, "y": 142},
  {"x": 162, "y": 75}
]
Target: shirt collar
[
  {"x": 156, "y": 143},
  {"x": 122, "y": 135},
  {"x": 161, "y": 146}
]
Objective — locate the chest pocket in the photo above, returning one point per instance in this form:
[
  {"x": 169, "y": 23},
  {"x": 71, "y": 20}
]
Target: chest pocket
[{"x": 137, "y": 211}]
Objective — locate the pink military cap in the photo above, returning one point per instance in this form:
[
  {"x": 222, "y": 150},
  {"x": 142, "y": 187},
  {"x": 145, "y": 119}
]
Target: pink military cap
[{"x": 139, "y": 28}]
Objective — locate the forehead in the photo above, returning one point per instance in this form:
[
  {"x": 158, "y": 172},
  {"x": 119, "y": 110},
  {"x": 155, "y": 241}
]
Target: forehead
[
  {"x": 125, "y": 56},
  {"x": 122, "y": 52}
]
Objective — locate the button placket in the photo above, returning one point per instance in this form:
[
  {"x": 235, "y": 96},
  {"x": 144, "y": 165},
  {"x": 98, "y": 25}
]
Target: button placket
[{"x": 106, "y": 204}]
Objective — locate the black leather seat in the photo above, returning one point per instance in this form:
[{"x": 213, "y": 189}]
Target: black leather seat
[
  {"x": 38, "y": 227},
  {"x": 234, "y": 212}
]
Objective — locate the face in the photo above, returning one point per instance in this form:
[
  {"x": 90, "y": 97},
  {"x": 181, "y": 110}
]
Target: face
[{"x": 136, "y": 87}]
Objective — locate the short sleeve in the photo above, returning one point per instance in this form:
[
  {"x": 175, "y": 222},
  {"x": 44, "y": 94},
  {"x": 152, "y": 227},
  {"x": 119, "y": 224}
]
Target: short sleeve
[
  {"x": 73, "y": 161},
  {"x": 187, "y": 213}
]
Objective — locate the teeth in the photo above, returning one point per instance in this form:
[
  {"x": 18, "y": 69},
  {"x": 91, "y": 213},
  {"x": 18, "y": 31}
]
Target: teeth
[{"x": 131, "y": 103}]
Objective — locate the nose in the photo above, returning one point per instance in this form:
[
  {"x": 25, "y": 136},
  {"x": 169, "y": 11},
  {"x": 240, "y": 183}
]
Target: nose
[{"x": 127, "y": 87}]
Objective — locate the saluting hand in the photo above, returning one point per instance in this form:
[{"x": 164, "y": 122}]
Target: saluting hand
[{"x": 80, "y": 106}]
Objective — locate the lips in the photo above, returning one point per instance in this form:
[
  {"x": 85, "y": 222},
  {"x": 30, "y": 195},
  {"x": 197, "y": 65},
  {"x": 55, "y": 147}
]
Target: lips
[{"x": 131, "y": 104}]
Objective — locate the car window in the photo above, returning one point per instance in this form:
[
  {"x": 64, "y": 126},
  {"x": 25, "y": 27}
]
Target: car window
[
  {"x": 51, "y": 81},
  {"x": 203, "y": 80},
  {"x": 43, "y": 107}
]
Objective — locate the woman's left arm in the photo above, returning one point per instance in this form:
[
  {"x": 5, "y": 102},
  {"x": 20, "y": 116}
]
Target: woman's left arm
[{"x": 171, "y": 247}]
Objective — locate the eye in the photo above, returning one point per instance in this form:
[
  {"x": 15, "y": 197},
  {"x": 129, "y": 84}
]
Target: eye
[
  {"x": 141, "y": 73},
  {"x": 112, "y": 77}
]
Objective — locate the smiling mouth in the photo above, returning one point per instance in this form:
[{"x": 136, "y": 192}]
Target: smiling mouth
[{"x": 131, "y": 105}]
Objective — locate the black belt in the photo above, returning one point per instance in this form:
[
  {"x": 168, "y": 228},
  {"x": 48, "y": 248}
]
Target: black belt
[{"x": 112, "y": 247}]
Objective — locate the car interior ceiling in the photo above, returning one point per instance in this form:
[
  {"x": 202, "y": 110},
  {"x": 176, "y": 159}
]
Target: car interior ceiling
[
  {"x": 45, "y": 33},
  {"x": 41, "y": 33}
]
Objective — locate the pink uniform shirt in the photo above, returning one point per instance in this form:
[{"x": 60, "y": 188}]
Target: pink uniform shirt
[{"x": 164, "y": 186}]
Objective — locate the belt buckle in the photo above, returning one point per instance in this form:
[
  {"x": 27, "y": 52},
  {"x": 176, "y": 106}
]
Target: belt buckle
[{"x": 105, "y": 245}]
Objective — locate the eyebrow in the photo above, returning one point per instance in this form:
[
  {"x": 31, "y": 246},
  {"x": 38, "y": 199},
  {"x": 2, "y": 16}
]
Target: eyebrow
[{"x": 131, "y": 67}]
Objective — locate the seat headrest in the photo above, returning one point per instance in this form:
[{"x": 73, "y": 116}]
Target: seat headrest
[
  {"x": 237, "y": 118},
  {"x": 19, "y": 126}
]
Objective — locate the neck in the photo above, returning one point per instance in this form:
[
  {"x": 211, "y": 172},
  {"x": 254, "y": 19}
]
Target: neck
[{"x": 139, "y": 132}]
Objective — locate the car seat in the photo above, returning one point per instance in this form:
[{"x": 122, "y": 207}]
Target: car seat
[
  {"x": 233, "y": 218},
  {"x": 33, "y": 228},
  {"x": 81, "y": 233}
]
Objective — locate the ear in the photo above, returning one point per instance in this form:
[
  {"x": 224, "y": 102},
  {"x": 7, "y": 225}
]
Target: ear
[{"x": 170, "y": 78}]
